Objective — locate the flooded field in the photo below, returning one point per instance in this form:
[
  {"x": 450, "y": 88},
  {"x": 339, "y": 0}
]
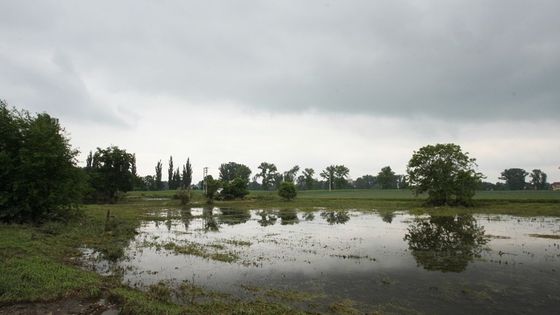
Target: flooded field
[{"x": 326, "y": 261}]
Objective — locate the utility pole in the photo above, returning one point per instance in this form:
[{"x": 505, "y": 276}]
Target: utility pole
[{"x": 205, "y": 183}]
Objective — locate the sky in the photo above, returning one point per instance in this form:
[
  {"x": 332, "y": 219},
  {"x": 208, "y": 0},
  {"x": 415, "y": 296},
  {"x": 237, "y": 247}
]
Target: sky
[{"x": 308, "y": 83}]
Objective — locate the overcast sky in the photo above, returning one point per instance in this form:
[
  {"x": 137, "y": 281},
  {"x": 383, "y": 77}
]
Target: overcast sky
[{"x": 313, "y": 83}]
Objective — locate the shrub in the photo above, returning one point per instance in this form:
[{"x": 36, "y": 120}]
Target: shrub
[{"x": 287, "y": 190}]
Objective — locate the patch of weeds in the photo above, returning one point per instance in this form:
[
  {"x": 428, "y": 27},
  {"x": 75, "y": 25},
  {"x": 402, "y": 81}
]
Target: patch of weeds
[
  {"x": 160, "y": 291},
  {"x": 136, "y": 302},
  {"x": 291, "y": 295},
  {"x": 200, "y": 251},
  {"x": 344, "y": 307},
  {"x": 238, "y": 242}
]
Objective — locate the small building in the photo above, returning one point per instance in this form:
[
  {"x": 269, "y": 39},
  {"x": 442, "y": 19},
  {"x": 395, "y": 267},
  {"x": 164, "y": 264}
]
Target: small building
[{"x": 555, "y": 186}]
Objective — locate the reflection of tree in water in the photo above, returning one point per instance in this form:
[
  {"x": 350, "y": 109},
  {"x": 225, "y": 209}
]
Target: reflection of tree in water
[
  {"x": 288, "y": 216},
  {"x": 335, "y": 217},
  {"x": 445, "y": 243},
  {"x": 233, "y": 216},
  {"x": 387, "y": 216},
  {"x": 267, "y": 218},
  {"x": 309, "y": 216},
  {"x": 209, "y": 220},
  {"x": 186, "y": 217}
]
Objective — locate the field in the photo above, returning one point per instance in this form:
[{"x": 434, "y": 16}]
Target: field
[{"x": 40, "y": 264}]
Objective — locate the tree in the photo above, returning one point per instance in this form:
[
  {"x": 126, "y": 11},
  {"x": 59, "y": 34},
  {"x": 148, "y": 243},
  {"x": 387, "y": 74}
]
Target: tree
[
  {"x": 267, "y": 173},
  {"x": 328, "y": 174},
  {"x": 340, "y": 176},
  {"x": 446, "y": 173},
  {"x": 38, "y": 174},
  {"x": 212, "y": 187},
  {"x": 387, "y": 178},
  {"x": 110, "y": 174},
  {"x": 170, "y": 182},
  {"x": 235, "y": 179},
  {"x": 365, "y": 182},
  {"x": 187, "y": 174},
  {"x": 159, "y": 184},
  {"x": 287, "y": 190},
  {"x": 230, "y": 171},
  {"x": 514, "y": 178},
  {"x": 308, "y": 178},
  {"x": 290, "y": 175},
  {"x": 538, "y": 179}
]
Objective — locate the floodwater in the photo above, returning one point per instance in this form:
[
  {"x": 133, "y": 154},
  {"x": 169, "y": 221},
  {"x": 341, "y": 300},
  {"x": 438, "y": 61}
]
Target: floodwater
[{"x": 389, "y": 262}]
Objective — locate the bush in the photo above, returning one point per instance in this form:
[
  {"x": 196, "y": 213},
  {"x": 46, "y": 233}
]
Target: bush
[
  {"x": 235, "y": 189},
  {"x": 38, "y": 176},
  {"x": 287, "y": 190},
  {"x": 184, "y": 195}
]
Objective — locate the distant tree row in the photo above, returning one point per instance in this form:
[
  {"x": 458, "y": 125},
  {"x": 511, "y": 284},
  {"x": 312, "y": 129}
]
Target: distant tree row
[{"x": 516, "y": 179}]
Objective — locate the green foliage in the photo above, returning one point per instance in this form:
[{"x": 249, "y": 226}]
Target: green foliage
[
  {"x": 308, "y": 178},
  {"x": 514, "y": 178},
  {"x": 212, "y": 187},
  {"x": 230, "y": 171},
  {"x": 110, "y": 174},
  {"x": 38, "y": 176},
  {"x": 170, "y": 180},
  {"x": 287, "y": 190},
  {"x": 235, "y": 189},
  {"x": 184, "y": 195},
  {"x": 538, "y": 180},
  {"x": 387, "y": 178},
  {"x": 365, "y": 182},
  {"x": 445, "y": 173},
  {"x": 158, "y": 182},
  {"x": 290, "y": 175},
  {"x": 335, "y": 176},
  {"x": 187, "y": 174},
  {"x": 268, "y": 173}
]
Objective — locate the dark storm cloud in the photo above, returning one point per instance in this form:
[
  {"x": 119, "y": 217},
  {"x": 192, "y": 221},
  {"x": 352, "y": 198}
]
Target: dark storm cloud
[{"x": 443, "y": 59}]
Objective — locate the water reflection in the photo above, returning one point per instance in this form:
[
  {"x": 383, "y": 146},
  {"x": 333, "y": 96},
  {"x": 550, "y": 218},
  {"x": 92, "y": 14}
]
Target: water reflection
[
  {"x": 209, "y": 221},
  {"x": 335, "y": 217},
  {"x": 445, "y": 243},
  {"x": 267, "y": 218},
  {"x": 186, "y": 218},
  {"x": 288, "y": 216},
  {"x": 233, "y": 216}
]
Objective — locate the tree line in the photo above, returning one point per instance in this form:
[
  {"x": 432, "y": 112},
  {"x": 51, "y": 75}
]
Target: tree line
[{"x": 40, "y": 179}]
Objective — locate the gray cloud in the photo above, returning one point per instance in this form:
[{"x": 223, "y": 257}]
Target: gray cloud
[{"x": 482, "y": 60}]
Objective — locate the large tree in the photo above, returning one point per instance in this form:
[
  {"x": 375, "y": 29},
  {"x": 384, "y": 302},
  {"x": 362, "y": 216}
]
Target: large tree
[
  {"x": 445, "y": 172},
  {"x": 268, "y": 172},
  {"x": 308, "y": 178},
  {"x": 365, "y": 182},
  {"x": 387, "y": 178},
  {"x": 538, "y": 179},
  {"x": 514, "y": 178},
  {"x": 38, "y": 174},
  {"x": 110, "y": 173},
  {"x": 158, "y": 182},
  {"x": 187, "y": 174},
  {"x": 170, "y": 182},
  {"x": 290, "y": 175},
  {"x": 335, "y": 176},
  {"x": 234, "y": 178}
]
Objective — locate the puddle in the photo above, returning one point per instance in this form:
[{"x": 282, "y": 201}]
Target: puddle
[{"x": 389, "y": 262}]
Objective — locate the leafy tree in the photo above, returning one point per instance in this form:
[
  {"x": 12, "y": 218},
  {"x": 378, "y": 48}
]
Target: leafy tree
[
  {"x": 237, "y": 188},
  {"x": 170, "y": 182},
  {"x": 268, "y": 173},
  {"x": 329, "y": 175},
  {"x": 158, "y": 182},
  {"x": 176, "y": 177},
  {"x": 514, "y": 178},
  {"x": 187, "y": 174},
  {"x": 38, "y": 174},
  {"x": 365, "y": 182},
  {"x": 230, "y": 171},
  {"x": 290, "y": 175},
  {"x": 212, "y": 187},
  {"x": 387, "y": 178},
  {"x": 538, "y": 179},
  {"x": 235, "y": 179},
  {"x": 340, "y": 176},
  {"x": 446, "y": 173},
  {"x": 308, "y": 178},
  {"x": 149, "y": 182},
  {"x": 287, "y": 190},
  {"x": 110, "y": 174}
]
